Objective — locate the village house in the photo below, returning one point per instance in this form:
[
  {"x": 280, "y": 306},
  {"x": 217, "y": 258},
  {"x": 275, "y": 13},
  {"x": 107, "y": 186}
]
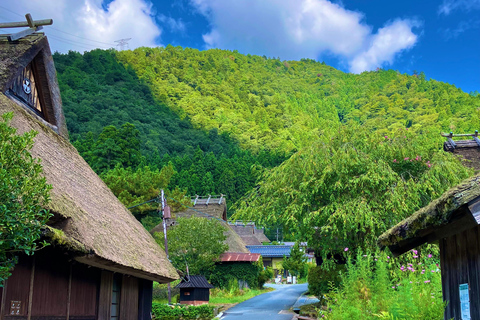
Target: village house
[
  {"x": 194, "y": 290},
  {"x": 100, "y": 263},
  {"x": 452, "y": 221}
]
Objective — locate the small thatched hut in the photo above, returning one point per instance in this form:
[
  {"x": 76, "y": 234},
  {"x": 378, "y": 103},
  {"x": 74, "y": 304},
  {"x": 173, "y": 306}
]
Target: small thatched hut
[
  {"x": 250, "y": 234},
  {"x": 102, "y": 262},
  {"x": 194, "y": 290},
  {"x": 452, "y": 220}
]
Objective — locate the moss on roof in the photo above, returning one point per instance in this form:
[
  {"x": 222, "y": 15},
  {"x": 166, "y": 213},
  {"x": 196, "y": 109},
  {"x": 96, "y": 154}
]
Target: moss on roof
[{"x": 438, "y": 213}]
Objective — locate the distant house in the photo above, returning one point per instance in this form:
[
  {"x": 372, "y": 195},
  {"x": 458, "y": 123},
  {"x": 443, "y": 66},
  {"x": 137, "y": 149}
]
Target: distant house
[
  {"x": 101, "y": 261},
  {"x": 272, "y": 255},
  {"x": 211, "y": 207},
  {"x": 242, "y": 266},
  {"x": 194, "y": 290},
  {"x": 249, "y": 233}
]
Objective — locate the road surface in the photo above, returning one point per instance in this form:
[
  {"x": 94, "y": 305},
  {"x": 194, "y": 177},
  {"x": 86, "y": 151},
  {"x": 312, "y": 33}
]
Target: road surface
[{"x": 267, "y": 306}]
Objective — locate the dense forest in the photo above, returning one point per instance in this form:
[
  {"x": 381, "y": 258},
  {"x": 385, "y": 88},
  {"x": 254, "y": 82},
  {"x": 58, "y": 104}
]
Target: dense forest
[{"x": 316, "y": 143}]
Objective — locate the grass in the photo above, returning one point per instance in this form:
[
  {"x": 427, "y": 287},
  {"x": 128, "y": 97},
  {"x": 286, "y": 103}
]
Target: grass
[{"x": 223, "y": 297}]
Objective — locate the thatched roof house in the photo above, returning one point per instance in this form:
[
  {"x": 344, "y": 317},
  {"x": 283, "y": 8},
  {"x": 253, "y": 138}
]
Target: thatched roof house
[
  {"x": 90, "y": 226},
  {"x": 250, "y": 234},
  {"x": 452, "y": 220},
  {"x": 209, "y": 208}
]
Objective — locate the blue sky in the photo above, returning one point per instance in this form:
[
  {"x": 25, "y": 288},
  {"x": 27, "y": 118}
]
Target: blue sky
[{"x": 440, "y": 38}]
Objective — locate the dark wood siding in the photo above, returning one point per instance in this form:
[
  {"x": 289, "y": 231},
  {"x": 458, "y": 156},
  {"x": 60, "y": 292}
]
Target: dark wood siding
[
  {"x": 17, "y": 288},
  {"x": 129, "y": 298},
  {"x": 50, "y": 286},
  {"x": 145, "y": 296},
  {"x": 105, "y": 296},
  {"x": 194, "y": 294},
  {"x": 460, "y": 263},
  {"x": 84, "y": 291}
]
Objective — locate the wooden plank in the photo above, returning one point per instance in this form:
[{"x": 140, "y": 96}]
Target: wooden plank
[
  {"x": 444, "y": 269},
  {"x": 449, "y": 135},
  {"x": 105, "y": 297},
  {"x": 129, "y": 298},
  {"x": 69, "y": 292},
  {"x": 30, "y": 290},
  {"x": 84, "y": 295},
  {"x": 23, "y": 33},
  {"x": 474, "y": 207},
  {"x": 472, "y": 253},
  {"x": 2, "y": 303},
  {"x": 145, "y": 299},
  {"x": 43, "y": 22}
]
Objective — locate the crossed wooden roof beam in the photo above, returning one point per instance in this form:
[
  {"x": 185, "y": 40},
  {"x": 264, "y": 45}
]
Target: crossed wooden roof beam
[{"x": 33, "y": 26}]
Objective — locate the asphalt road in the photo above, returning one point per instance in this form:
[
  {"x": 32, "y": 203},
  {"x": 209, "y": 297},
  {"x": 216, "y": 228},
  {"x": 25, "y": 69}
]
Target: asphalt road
[{"x": 268, "y": 305}]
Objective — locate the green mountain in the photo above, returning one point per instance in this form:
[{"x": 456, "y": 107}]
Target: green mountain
[{"x": 220, "y": 118}]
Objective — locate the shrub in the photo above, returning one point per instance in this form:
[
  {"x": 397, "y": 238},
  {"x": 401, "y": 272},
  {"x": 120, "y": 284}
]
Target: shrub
[
  {"x": 181, "y": 312},
  {"x": 321, "y": 279},
  {"x": 264, "y": 276},
  {"x": 246, "y": 271},
  {"x": 376, "y": 286}
]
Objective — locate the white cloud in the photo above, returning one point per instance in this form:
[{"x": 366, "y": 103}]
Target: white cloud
[
  {"x": 388, "y": 41},
  {"x": 450, "y": 5},
  {"x": 85, "y": 25},
  {"x": 174, "y": 25},
  {"x": 294, "y": 29}
]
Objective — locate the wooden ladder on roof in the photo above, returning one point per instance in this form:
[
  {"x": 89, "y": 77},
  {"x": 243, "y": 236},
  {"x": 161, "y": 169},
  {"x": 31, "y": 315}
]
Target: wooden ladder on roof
[{"x": 33, "y": 26}]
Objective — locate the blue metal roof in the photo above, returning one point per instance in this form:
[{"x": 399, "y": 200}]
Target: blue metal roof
[{"x": 271, "y": 251}]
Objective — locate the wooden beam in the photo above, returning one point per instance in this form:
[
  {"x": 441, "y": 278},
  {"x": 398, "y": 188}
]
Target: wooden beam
[
  {"x": 30, "y": 291},
  {"x": 449, "y": 135},
  {"x": 36, "y": 23},
  {"x": 21, "y": 34}
]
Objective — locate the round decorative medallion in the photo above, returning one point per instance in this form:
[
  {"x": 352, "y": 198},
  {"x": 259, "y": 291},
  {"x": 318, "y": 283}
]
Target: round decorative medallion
[{"x": 26, "y": 86}]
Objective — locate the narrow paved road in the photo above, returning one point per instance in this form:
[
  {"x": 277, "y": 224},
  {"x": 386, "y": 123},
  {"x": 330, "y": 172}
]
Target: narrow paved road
[{"x": 268, "y": 305}]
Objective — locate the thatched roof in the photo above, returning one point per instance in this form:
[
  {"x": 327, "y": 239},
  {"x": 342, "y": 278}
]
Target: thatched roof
[
  {"x": 249, "y": 233},
  {"x": 88, "y": 219},
  {"x": 456, "y": 210}
]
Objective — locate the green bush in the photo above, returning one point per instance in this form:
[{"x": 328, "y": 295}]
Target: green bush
[
  {"x": 181, "y": 312},
  {"x": 379, "y": 287},
  {"x": 321, "y": 280},
  {"x": 264, "y": 276},
  {"x": 249, "y": 272}
]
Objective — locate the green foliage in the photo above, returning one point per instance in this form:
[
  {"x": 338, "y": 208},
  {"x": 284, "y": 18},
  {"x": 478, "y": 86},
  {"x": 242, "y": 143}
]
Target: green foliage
[
  {"x": 162, "y": 311},
  {"x": 198, "y": 242},
  {"x": 349, "y": 187},
  {"x": 224, "y": 273},
  {"x": 321, "y": 280},
  {"x": 23, "y": 194},
  {"x": 265, "y": 275},
  {"x": 295, "y": 264},
  {"x": 378, "y": 287}
]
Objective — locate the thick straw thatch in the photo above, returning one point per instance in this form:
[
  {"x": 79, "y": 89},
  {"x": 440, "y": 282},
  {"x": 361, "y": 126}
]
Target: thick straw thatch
[
  {"x": 420, "y": 227},
  {"x": 88, "y": 219}
]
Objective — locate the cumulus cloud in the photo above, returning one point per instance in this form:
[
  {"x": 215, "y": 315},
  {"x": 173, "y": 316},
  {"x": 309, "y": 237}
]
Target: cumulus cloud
[
  {"x": 87, "y": 24},
  {"x": 175, "y": 25},
  {"x": 384, "y": 45},
  {"x": 294, "y": 29},
  {"x": 448, "y": 6}
]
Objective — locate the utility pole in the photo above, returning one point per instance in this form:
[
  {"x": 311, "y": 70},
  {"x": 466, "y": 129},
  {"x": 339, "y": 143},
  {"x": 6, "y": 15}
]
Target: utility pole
[
  {"x": 122, "y": 43},
  {"x": 164, "y": 218}
]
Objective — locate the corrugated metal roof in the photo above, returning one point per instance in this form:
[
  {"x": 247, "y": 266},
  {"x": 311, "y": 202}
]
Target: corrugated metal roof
[
  {"x": 239, "y": 257},
  {"x": 194, "y": 282},
  {"x": 271, "y": 251}
]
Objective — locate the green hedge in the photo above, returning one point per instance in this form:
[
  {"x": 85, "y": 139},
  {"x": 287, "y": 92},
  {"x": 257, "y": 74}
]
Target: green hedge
[
  {"x": 181, "y": 312},
  {"x": 245, "y": 271}
]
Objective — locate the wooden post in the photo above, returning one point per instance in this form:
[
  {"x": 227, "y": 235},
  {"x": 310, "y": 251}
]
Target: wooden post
[
  {"x": 30, "y": 292},
  {"x": 166, "y": 243}
]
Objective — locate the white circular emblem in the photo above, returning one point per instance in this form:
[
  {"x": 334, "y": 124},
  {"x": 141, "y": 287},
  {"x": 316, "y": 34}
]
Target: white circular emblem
[{"x": 26, "y": 86}]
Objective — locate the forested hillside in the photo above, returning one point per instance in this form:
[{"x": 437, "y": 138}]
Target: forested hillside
[{"x": 212, "y": 121}]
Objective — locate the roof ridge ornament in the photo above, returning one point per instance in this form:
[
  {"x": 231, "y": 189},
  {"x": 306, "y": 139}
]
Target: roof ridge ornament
[{"x": 33, "y": 26}]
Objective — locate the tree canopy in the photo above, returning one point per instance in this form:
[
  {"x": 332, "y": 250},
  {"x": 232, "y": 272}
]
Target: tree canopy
[
  {"x": 196, "y": 242},
  {"x": 23, "y": 194},
  {"x": 347, "y": 188}
]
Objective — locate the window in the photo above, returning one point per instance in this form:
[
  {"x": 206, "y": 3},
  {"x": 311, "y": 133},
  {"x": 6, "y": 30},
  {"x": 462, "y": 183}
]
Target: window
[
  {"x": 26, "y": 89},
  {"x": 115, "y": 307}
]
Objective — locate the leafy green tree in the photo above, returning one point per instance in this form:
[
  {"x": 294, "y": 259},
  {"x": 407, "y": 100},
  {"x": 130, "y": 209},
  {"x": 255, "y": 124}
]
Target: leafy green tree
[
  {"x": 196, "y": 242},
  {"x": 347, "y": 188},
  {"x": 23, "y": 194},
  {"x": 295, "y": 264}
]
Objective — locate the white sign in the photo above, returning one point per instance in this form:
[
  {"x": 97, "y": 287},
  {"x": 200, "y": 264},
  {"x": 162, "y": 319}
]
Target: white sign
[{"x": 464, "y": 301}]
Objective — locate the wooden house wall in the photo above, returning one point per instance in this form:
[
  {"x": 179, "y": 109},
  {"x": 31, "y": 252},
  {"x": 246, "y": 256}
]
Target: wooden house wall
[
  {"x": 48, "y": 286},
  {"x": 460, "y": 263},
  {"x": 196, "y": 294}
]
